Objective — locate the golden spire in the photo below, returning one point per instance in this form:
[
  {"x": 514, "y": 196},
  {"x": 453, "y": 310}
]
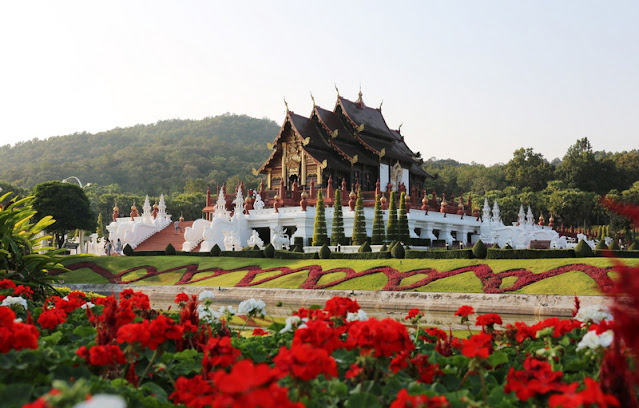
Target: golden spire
[
  {"x": 286, "y": 104},
  {"x": 313, "y": 99},
  {"x": 337, "y": 90}
]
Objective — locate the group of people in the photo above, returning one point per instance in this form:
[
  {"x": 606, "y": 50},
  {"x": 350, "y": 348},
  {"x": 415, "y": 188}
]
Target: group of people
[{"x": 109, "y": 248}]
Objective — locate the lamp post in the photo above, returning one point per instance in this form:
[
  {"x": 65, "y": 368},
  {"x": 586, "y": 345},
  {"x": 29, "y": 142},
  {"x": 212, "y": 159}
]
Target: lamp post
[{"x": 66, "y": 180}]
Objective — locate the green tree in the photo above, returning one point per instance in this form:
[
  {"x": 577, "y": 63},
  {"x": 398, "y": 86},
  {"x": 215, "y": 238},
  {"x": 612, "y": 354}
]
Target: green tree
[
  {"x": 337, "y": 233},
  {"x": 319, "y": 227},
  {"x": 571, "y": 206},
  {"x": 391, "y": 228},
  {"x": 529, "y": 169},
  {"x": 403, "y": 232},
  {"x": 579, "y": 168},
  {"x": 378, "y": 223},
  {"x": 359, "y": 224},
  {"x": 67, "y": 204}
]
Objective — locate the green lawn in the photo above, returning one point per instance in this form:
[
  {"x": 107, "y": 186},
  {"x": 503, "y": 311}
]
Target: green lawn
[{"x": 235, "y": 269}]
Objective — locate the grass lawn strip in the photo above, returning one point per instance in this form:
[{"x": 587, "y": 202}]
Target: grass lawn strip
[{"x": 569, "y": 283}]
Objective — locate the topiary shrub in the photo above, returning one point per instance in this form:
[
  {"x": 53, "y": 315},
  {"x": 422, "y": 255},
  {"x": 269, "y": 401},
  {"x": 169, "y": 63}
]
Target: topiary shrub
[
  {"x": 384, "y": 248},
  {"x": 480, "y": 250},
  {"x": 169, "y": 250},
  {"x": 128, "y": 251},
  {"x": 215, "y": 251},
  {"x": 298, "y": 248},
  {"x": 614, "y": 246},
  {"x": 256, "y": 248},
  {"x": 398, "y": 251},
  {"x": 325, "y": 252},
  {"x": 583, "y": 250},
  {"x": 365, "y": 247},
  {"x": 269, "y": 251},
  {"x": 359, "y": 223},
  {"x": 601, "y": 245},
  {"x": 508, "y": 246},
  {"x": 634, "y": 246},
  {"x": 319, "y": 227}
]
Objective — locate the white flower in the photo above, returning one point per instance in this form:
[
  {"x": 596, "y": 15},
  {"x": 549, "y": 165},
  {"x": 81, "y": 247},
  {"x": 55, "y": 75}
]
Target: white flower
[
  {"x": 227, "y": 309},
  {"x": 290, "y": 323},
  {"x": 66, "y": 298},
  {"x": 102, "y": 401},
  {"x": 87, "y": 305},
  {"x": 594, "y": 341},
  {"x": 360, "y": 315},
  {"x": 14, "y": 300},
  {"x": 205, "y": 295},
  {"x": 18, "y": 320},
  {"x": 594, "y": 314},
  {"x": 252, "y": 307},
  {"x": 208, "y": 315}
]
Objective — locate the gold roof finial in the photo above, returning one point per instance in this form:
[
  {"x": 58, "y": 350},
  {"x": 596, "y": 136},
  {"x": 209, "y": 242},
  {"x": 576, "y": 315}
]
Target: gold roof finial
[
  {"x": 380, "y": 104},
  {"x": 337, "y": 90},
  {"x": 360, "y": 100},
  {"x": 399, "y": 129},
  {"x": 286, "y": 104},
  {"x": 313, "y": 99}
]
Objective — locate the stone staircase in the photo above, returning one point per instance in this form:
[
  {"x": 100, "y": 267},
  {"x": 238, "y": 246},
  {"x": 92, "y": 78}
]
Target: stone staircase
[{"x": 159, "y": 240}]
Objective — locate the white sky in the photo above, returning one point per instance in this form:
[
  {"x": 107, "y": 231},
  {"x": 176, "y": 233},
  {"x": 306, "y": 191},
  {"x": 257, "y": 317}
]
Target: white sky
[{"x": 470, "y": 80}]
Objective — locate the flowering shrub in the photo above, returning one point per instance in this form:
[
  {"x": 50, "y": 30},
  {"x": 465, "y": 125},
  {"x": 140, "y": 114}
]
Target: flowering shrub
[{"x": 333, "y": 356}]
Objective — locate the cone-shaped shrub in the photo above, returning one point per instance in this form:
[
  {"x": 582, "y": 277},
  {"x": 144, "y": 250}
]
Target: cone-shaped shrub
[
  {"x": 384, "y": 248},
  {"x": 379, "y": 234},
  {"x": 634, "y": 246},
  {"x": 365, "y": 247},
  {"x": 507, "y": 246},
  {"x": 298, "y": 248},
  {"x": 325, "y": 252},
  {"x": 255, "y": 248},
  {"x": 215, "y": 251},
  {"x": 169, "y": 250},
  {"x": 398, "y": 251},
  {"x": 128, "y": 251},
  {"x": 391, "y": 228},
  {"x": 359, "y": 226},
  {"x": 269, "y": 251},
  {"x": 614, "y": 246},
  {"x": 480, "y": 250},
  {"x": 337, "y": 234},
  {"x": 583, "y": 250},
  {"x": 403, "y": 234},
  {"x": 319, "y": 228},
  {"x": 601, "y": 245}
]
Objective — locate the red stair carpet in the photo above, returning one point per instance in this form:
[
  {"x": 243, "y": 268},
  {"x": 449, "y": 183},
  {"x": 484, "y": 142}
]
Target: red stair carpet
[{"x": 159, "y": 240}]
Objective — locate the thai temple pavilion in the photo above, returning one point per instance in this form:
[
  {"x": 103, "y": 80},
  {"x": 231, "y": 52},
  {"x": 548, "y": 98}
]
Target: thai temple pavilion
[{"x": 351, "y": 145}]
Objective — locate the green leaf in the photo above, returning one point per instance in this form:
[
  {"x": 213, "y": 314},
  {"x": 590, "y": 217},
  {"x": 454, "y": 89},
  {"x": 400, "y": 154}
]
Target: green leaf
[
  {"x": 84, "y": 331},
  {"x": 497, "y": 358},
  {"x": 155, "y": 390},
  {"x": 363, "y": 400},
  {"x": 52, "y": 339}
]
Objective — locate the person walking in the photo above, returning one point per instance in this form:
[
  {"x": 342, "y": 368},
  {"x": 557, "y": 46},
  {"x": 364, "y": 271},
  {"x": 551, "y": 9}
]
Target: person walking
[
  {"x": 176, "y": 224},
  {"x": 118, "y": 247},
  {"x": 108, "y": 247}
]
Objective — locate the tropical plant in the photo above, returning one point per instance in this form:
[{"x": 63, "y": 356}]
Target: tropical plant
[{"x": 24, "y": 257}]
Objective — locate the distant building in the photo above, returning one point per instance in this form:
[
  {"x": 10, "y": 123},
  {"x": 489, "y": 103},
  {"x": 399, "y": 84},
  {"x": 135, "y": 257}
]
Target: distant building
[{"x": 351, "y": 143}]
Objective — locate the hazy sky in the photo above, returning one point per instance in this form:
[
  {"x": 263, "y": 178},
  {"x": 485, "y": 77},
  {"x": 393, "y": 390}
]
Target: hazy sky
[{"x": 470, "y": 80}]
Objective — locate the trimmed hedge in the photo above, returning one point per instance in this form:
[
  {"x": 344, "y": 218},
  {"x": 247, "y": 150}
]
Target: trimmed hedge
[
  {"x": 493, "y": 253},
  {"x": 619, "y": 254},
  {"x": 361, "y": 255},
  {"x": 243, "y": 254},
  {"x": 440, "y": 254},
  {"x": 147, "y": 253},
  {"x": 294, "y": 255}
]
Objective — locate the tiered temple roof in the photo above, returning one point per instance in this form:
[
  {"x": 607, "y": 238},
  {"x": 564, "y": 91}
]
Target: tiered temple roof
[{"x": 352, "y": 142}]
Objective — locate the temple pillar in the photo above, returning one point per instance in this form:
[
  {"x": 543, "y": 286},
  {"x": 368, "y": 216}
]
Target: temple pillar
[
  {"x": 303, "y": 181},
  {"x": 284, "y": 178},
  {"x": 320, "y": 180},
  {"x": 268, "y": 179}
]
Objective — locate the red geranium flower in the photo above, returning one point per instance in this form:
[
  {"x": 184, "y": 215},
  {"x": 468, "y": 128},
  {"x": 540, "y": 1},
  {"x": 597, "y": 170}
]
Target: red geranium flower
[
  {"x": 106, "y": 355},
  {"x": 412, "y": 313},
  {"x": 306, "y": 362},
  {"x": 7, "y": 284},
  {"x": 259, "y": 332},
  {"x": 353, "y": 371},
  {"x": 465, "y": 311},
  {"x": 219, "y": 352},
  {"x": 341, "y": 306},
  {"x": 405, "y": 400},
  {"x": 479, "y": 345},
  {"x": 386, "y": 337},
  {"x": 181, "y": 298},
  {"x": 488, "y": 319}
]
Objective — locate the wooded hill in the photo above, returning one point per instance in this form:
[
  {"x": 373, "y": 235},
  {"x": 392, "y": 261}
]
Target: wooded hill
[{"x": 145, "y": 159}]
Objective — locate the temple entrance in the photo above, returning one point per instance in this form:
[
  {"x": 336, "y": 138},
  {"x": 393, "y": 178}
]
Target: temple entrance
[{"x": 291, "y": 180}]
